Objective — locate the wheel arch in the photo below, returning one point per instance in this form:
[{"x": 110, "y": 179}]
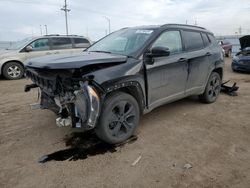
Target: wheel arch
[
  {"x": 219, "y": 70},
  {"x": 132, "y": 88}
]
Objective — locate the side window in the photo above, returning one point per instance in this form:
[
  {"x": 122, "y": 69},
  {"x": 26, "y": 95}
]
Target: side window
[
  {"x": 171, "y": 40},
  {"x": 40, "y": 45},
  {"x": 205, "y": 39},
  {"x": 193, "y": 40},
  {"x": 81, "y": 43},
  {"x": 61, "y": 43}
]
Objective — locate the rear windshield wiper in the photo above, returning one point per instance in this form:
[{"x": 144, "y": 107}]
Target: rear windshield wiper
[{"x": 100, "y": 51}]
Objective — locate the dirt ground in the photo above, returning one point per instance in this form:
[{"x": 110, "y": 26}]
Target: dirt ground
[{"x": 214, "y": 139}]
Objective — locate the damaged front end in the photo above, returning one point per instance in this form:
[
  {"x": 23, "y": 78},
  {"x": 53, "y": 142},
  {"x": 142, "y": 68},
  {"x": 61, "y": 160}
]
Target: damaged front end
[{"x": 75, "y": 101}]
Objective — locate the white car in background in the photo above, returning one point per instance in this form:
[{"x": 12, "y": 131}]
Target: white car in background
[{"x": 12, "y": 59}]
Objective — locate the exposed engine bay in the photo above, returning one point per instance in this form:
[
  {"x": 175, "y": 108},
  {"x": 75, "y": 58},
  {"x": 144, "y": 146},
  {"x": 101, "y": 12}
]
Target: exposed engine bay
[{"x": 75, "y": 100}]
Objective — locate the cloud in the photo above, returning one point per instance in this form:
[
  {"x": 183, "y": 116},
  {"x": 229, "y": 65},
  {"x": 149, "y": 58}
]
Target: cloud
[{"x": 22, "y": 18}]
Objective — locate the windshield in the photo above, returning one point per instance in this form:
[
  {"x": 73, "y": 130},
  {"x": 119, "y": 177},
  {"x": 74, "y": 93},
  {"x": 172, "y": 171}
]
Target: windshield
[
  {"x": 20, "y": 44},
  {"x": 123, "y": 42}
]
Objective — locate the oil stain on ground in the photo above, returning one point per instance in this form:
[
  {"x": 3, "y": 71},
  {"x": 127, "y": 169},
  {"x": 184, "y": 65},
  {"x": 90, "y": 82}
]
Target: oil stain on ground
[{"x": 82, "y": 146}]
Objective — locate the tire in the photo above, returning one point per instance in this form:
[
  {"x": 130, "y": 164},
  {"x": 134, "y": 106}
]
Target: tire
[
  {"x": 13, "y": 71},
  {"x": 229, "y": 54},
  {"x": 212, "y": 89},
  {"x": 119, "y": 118}
]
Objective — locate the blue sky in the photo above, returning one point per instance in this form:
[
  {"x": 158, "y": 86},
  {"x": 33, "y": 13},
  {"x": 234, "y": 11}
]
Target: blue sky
[{"x": 22, "y": 18}]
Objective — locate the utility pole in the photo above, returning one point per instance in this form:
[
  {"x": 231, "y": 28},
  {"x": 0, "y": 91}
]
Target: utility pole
[
  {"x": 108, "y": 19},
  {"x": 66, "y": 10},
  {"x": 46, "y": 29}
]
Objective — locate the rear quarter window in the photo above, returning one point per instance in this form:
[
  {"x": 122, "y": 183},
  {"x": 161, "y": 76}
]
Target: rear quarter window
[
  {"x": 212, "y": 39},
  {"x": 193, "y": 40},
  {"x": 61, "y": 43},
  {"x": 81, "y": 43}
]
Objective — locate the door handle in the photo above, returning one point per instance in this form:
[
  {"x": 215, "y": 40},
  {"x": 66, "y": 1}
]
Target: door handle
[
  {"x": 208, "y": 54},
  {"x": 183, "y": 59}
]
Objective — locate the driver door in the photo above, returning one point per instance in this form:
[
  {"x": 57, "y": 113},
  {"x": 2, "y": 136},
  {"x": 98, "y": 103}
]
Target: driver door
[
  {"x": 167, "y": 76},
  {"x": 40, "y": 47}
]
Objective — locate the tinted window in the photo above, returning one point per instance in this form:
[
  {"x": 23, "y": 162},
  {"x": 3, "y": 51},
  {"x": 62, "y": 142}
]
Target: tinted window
[
  {"x": 193, "y": 40},
  {"x": 171, "y": 40},
  {"x": 61, "y": 43},
  {"x": 205, "y": 39},
  {"x": 81, "y": 43},
  {"x": 40, "y": 45},
  {"x": 212, "y": 39}
]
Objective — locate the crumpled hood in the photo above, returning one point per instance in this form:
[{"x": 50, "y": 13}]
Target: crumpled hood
[
  {"x": 74, "y": 61},
  {"x": 245, "y": 41}
]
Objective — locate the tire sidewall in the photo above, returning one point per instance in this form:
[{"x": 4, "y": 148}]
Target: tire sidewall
[
  {"x": 208, "y": 99},
  {"x": 102, "y": 130}
]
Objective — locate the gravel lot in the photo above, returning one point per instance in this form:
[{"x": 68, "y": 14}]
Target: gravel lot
[{"x": 214, "y": 139}]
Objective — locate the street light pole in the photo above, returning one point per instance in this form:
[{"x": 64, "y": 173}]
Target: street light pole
[
  {"x": 108, "y": 19},
  {"x": 46, "y": 29},
  {"x": 66, "y": 10},
  {"x": 41, "y": 31}
]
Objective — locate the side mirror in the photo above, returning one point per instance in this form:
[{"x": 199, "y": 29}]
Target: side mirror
[
  {"x": 159, "y": 51},
  {"x": 29, "y": 48}
]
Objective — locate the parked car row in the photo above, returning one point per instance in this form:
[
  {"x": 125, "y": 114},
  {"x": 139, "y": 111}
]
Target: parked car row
[{"x": 12, "y": 59}]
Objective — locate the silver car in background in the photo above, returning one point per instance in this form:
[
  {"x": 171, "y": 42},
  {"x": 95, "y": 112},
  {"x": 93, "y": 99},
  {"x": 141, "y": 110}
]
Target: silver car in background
[{"x": 12, "y": 59}]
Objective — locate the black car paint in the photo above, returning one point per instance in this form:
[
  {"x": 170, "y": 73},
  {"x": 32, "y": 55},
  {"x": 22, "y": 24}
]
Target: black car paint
[
  {"x": 76, "y": 61},
  {"x": 167, "y": 79}
]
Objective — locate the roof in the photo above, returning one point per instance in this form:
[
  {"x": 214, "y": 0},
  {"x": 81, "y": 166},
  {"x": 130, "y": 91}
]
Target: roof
[{"x": 181, "y": 26}]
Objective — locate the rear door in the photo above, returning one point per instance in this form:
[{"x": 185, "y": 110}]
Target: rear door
[
  {"x": 168, "y": 75},
  {"x": 80, "y": 44},
  {"x": 61, "y": 45},
  {"x": 198, "y": 60}
]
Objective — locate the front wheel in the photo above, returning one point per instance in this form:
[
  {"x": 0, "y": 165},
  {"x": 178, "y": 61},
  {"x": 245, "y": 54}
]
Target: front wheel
[
  {"x": 13, "y": 71},
  {"x": 212, "y": 89},
  {"x": 119, "y": 118}
]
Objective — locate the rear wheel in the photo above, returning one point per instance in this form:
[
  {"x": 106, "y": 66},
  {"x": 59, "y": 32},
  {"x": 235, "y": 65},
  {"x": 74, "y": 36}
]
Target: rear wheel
[
  {"x": 229, "y": 53},
  {"x": 13, "y": 71},
  {"x": 119, "y": 118},
  {"x": 212, "y": 89}
]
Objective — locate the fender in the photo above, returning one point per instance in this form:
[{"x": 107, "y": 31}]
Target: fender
[{"x": 127, "y": 76}]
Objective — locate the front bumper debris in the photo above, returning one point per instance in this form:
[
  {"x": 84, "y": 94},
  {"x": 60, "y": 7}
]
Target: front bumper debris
[
  {"x": 230, "y": 90},
  {"x": 78, "y": 109}
]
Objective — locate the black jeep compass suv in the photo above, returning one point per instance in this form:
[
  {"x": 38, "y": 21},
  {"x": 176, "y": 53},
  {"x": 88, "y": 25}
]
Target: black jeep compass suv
[{"x": 128, "y": 73}]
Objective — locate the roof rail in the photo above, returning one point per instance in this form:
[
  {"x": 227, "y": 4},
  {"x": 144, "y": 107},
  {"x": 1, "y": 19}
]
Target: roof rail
[
  {"x": 183, "y": 25},
  {"x": 52, "y": 35},
  {"x": 63, "y": 35}
]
